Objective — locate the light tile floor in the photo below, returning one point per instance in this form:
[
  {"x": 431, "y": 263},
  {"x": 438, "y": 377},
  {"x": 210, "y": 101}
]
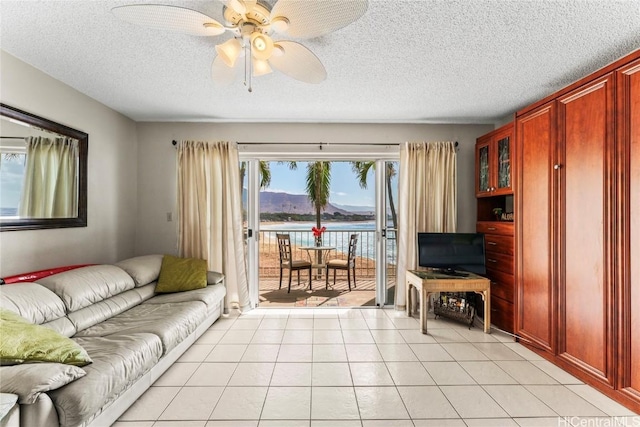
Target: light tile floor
[{"x": 328, "y": 367}]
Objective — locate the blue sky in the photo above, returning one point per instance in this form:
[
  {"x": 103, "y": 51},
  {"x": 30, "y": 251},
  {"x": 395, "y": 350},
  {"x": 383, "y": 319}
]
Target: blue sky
[
  {"x": 344, "y": 186},
  {"x": 11, "y": 175}
]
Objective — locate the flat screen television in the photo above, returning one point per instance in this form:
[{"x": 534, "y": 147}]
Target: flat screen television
[{"x": 452, "y": 251}]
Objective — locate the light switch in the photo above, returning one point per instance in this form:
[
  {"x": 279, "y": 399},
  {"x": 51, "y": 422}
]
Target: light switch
[{"x": 169, "y": 216}]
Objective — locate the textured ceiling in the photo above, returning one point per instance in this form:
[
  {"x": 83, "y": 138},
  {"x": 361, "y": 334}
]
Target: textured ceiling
[{"x": 431, "y": 61}]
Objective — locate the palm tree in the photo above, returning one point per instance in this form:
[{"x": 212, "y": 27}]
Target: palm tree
[
  {"x": 318, "y": 186},
  {"x": 361, "y": 169},
  {"x": 264, "y": 170}
]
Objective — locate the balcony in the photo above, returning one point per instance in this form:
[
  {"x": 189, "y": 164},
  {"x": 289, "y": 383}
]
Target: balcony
[{"x": 336, "y": 296}]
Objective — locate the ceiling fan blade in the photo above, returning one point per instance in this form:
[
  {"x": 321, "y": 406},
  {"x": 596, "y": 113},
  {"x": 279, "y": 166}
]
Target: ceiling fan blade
[
  {"x": 309, "y": 19},
  {"x": 169, "y": 18},
  {"x": 222, "y": 74},
  {"x": 240, "y": 6},
  {"x": 298, "y": 62}
]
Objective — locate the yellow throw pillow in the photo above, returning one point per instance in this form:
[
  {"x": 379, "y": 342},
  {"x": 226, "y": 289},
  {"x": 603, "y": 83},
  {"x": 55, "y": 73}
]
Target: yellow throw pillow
[
  {"x": 24, "y": 342},
  {"x": 181, "y": 274}
]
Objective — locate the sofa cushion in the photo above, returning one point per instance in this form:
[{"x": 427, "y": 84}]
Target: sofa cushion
[
  {"x": 181, "y": 274},
  {"x": 28, "y": 381},
  {"x": 144, "y": 269},
  {"x": 103, "y": 310},
  {"x": 21, "y": 297},
  {"x": 24, "y": 342},
  {"x": 172, "y": 322},
  {"x": 118, "y": 361},
  {"x": 211, "y": 296},
  {"x": 146, "y": 291},
  {"x": 82, "y": 287}
]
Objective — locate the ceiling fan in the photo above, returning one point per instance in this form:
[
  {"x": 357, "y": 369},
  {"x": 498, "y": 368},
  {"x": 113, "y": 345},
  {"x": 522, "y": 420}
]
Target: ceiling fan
[{"x": 252, "y": 24}]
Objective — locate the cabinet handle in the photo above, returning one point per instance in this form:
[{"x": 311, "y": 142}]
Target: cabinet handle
[
  {"x": 491, "y": 228},
  {"x": 492, "y": 243},
  {"x": 556, "y": 167},
  {"x": 492, "y": 260}
]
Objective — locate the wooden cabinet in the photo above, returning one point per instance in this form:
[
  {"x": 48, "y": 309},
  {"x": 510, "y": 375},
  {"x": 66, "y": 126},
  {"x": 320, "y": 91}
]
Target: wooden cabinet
[
  {"x": 493, "y": 162},
  {"x": 535, "y": 297},
  {"x": 628, "y": 126},
  {"x": 577, "y": 214},
  {"x": 494, "y": 190},
  {"x": 498, "y": 240},
  {"x": 584, "y": 229}
]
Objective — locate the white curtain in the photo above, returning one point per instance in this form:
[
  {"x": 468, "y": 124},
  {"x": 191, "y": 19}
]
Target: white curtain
[
  {"x": 210, "y": 213},
  {"x": 50, "y": 187},
  {"x": 427, "y": 201}
]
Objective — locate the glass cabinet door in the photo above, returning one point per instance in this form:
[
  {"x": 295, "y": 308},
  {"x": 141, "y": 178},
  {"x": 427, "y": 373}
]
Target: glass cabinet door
[
  {"x": 504, "y": 163},
  {"x": 483, "y": 169}
]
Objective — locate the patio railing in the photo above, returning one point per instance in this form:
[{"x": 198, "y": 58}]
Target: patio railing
[{"x": 365, "y": 252}]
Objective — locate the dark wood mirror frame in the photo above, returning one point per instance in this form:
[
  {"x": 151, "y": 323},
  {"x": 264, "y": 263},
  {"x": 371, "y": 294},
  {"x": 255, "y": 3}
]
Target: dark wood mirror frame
[{"x": 83, "y": 142}]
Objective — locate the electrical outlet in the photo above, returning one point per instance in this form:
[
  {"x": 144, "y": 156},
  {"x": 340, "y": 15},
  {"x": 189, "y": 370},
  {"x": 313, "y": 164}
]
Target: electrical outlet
[{"x": 169, "y": 216}]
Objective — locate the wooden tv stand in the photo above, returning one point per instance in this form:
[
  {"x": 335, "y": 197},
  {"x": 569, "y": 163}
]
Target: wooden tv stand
[{"x": 427, "y": 282}]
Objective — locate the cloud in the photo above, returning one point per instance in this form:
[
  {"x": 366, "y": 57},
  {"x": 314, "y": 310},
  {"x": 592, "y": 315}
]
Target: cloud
[{"x": 339, "y": 193}]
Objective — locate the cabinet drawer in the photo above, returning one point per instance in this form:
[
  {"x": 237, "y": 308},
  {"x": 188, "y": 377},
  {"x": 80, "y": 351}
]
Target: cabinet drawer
[
  {"x": 502, "y": 285},
  {"x": 498, "y": 243},
  {"x": 502, "y": 314},
  {"x": 495, "y": 227},
  {"x": 500, "y": 262}
]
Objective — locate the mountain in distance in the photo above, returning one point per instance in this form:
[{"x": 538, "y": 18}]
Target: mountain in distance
[
  {"x": 273, "y": 202},
  {"x": 361, "y": 210}
]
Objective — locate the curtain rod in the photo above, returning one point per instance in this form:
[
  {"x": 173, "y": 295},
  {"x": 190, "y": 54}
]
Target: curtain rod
[
  {"x": 12, "y": 137},
  {"x": 320, "y": 144}
]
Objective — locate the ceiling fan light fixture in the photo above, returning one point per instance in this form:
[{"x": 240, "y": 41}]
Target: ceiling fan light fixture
[
  {"x": 261, "y": 67},
  {"x": 261, "y": 46},
  {"x": 229, "y": 51},
  {"x": 280, "y": 24}
]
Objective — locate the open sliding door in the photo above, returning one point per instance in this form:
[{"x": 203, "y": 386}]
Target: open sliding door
[
  {"x": 286, "y": 210},
  {"x": 251, "y": 216}
]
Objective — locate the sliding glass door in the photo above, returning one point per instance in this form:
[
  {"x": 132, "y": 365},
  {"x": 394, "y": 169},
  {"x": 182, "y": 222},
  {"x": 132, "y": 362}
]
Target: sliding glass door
[
  {"x": 386, "y": 230},
  {"x": 276, "y": 200}
]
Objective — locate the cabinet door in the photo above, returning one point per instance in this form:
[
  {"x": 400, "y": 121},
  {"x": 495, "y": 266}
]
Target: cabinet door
[
  {"x": 483, "y": 167},
  {"x": 586, "y": 155},
  {"x": 628, "y": 84},
  {"x": 502, "y": 151},
  {"x": 535, "y": 156}
]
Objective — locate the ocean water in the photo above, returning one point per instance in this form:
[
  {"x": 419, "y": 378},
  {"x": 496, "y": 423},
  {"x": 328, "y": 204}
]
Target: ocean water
[
  {"x": 8, "y": 211},
  {"x": 337, "y": 235}
]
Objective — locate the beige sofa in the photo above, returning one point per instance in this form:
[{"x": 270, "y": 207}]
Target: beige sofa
[{"x": 131, "y": 333}]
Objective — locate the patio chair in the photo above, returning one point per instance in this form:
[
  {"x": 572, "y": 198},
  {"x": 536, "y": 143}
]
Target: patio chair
[
  {"x": 286, "y": 262},
  {"x": 348, "y": 264}
]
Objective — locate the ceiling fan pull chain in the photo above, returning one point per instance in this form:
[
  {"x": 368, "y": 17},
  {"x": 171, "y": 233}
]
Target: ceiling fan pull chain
[{"x": 250, "y": 67}]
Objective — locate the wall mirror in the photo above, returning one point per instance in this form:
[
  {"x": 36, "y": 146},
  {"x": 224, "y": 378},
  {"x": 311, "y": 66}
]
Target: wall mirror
[{"x": 43, "y": 173}]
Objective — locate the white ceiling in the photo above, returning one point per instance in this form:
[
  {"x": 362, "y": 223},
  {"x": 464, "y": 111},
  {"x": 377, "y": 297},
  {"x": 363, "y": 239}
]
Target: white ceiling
[{"x": 404, "y": 61}]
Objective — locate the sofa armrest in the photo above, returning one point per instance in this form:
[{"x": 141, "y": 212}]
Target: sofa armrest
[
  {"x": 213, "y": 277},
  {"x": 9, "y": 410}
]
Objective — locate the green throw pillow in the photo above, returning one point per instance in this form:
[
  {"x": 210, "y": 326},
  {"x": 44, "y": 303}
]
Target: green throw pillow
[
  {"x": 181, "y": 274},
  {"x": 24, "y": 342}
]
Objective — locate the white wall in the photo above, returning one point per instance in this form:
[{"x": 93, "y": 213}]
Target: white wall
[
  {"x": 132, "y": 173},
  {"x": 157, "y": 162},
  {"x": 112, "y": 179}
]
